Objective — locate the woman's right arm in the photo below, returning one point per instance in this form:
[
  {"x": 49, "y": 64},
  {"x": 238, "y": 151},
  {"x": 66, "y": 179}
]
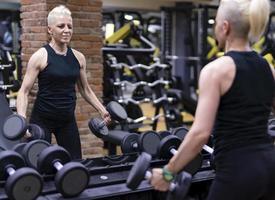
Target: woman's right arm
[{"x": 35, "y": 64}]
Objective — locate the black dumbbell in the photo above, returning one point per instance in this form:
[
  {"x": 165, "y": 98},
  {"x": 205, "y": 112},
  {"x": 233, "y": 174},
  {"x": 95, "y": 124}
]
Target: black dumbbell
[
  {"x": 163, "y": 134},
  {"x": 132, "y": 142},
  {"x": 168, "y": 147},
  {"x": 15, "y": 127},
  {"x": 71, "y": 178},
  {"x": 31, "y": 150},
  {"x": 21, "y": 182},
  {"x": 178, "y": 188},
  {"x": 116, "y": 111},
  {"x": 181, "y": 132}
]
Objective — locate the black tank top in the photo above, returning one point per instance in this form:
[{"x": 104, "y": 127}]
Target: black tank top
[
  {"x": 56, "y": 96},
  {"x": 244, "y": 110}
]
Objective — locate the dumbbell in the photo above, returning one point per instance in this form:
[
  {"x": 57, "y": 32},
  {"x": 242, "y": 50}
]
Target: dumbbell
[
  {"x": 181, "y": 132},
  {"x": 71, "y": 178},
  {"x": 14, "y": 86},
  {"x": 177, "y": 189},
  {"x": 168, "y": 147},
  {"x": 133, "y": 142},
  {"x": 31, "y": 150},
  {"x": 116, "y": 111},
  {"x": 21, "y": 182},
  {"x": 15, "y": 127},
  {"x": 163, "y": 134}
]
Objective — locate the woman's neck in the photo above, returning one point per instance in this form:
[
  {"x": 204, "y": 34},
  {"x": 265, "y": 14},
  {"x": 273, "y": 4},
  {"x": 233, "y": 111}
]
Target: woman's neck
[
  {"x": 59, "y": 48},
  {"x": 237, "y": 44}
]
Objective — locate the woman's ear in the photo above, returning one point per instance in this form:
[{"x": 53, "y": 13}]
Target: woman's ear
[
  {"x": 226, "y": 27},
  {"x": 50, "y": 30}
]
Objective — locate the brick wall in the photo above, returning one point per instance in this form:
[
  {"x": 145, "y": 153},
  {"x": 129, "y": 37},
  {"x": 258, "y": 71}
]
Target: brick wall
[{"x": 87, "y": 38}]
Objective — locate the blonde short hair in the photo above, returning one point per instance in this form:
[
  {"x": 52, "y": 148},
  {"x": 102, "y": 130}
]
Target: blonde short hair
[
  {"x": 248, "y": 17},
  {"x": 57, "y": 12}
]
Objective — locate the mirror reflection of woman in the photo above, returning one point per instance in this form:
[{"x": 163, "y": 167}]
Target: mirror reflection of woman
[
  {"x": 235, "y": 101},
  {"x": 59, "y": 69}
]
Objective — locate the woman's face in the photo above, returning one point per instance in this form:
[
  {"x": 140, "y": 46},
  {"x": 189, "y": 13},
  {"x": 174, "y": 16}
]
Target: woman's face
[{"x": 62, "y": 29}]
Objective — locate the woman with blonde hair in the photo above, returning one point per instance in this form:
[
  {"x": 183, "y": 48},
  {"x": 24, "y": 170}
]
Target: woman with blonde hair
[
  {"x": 236, "y": 97},
  {"x": 59, "y": 69}
]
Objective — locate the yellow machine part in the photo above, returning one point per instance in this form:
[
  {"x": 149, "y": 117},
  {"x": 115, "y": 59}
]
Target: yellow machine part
[{"x": 119, "y": 34}]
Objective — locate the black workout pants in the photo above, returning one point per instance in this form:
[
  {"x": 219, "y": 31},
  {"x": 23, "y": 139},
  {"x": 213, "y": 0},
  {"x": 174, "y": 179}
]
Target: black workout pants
[
  {"x": 245, "y": 174},
  {"x": 66, "y": 133}
]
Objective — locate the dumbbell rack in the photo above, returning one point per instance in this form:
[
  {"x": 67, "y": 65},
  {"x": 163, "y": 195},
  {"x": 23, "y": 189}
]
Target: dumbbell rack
[
  {"x": 108, "y": 176},
  {"x": 157, "y": 84}
]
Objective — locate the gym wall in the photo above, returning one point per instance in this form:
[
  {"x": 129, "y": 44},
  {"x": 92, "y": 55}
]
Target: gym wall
[{"x": 87, "y": 38}]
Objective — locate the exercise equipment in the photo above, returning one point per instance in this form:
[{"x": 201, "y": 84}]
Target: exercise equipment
[
  {"x": 164, "y": 134},
  {"x": 71, "y": 178},
  {"x": 168, "y": 147},
  {"x": 14, "y": 86},
  {"x": 177, "y": 189},
  {"x": 16, "y": 127},
  {"x": 21, "y": 182},
  {"x": 133, "y": 142},
  {"x": 116, "y": 111},
  {"x": 31, "y": 150},
  {"x": 4, "y": 113},
  {"x": 181, "y": 132}
]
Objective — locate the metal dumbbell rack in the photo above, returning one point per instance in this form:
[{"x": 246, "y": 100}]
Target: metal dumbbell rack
[
  {"x": 108, "y": 176},
  {"x": 8, "y": 79},
  {"x": 153, "y": 87}
]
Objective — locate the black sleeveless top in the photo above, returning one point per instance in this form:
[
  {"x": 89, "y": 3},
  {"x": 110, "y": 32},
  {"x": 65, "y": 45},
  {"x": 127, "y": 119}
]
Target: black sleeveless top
[
  {"x": 56, "y": 97},
  {"x": 244, "y": 110}
]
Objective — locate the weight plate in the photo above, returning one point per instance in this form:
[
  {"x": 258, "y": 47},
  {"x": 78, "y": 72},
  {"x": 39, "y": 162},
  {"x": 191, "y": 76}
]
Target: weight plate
[
  {"x": 182, "y": 184},
  {"x": 72, "y": 179},
  {"x": 175, "y": 117},
  {"x": 32, "y": 150},
  {"x": 142, "y": 92},
  {"x": 19, "y": 147},
  {"x": 12, "y": 158},
  {"x": 180, "y": 132},
  {"x": 50, "y": 155},
  {"x": 36, "y": 131},
  {"x": 138, "y": 171},
  {"x": 128, "y": 142},
  {"x": 25, "y": 184},
  {"x": 98, "y": 132},
  {"x": 166, "y": 144},
  {"x": 116, "y": 111},
  {"x": 194, "y": 166},
  {"x": 149, "y": 142},
  {"x": 163, "y": 134},
  {"x": 134, "y": 112},
  {"x": 14, "y": 127}
]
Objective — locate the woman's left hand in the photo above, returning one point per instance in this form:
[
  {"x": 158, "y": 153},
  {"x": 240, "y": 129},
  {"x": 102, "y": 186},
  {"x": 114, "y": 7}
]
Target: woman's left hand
[
  {"x": 106, "y": 116},
  {"x": 157, "y": 180}
]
